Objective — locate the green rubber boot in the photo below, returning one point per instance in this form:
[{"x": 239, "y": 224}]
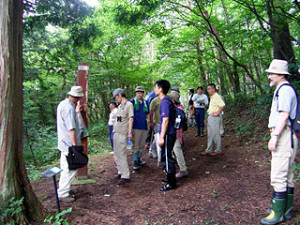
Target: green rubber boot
[
  {"x": 289, "y": 204},
  {"x": 278, "y": 208}
]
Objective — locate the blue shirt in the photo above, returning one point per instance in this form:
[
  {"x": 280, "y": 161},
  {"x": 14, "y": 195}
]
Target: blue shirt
[
  {"x": 139, "y": 118},
  {"x": 167, "y": 110}
]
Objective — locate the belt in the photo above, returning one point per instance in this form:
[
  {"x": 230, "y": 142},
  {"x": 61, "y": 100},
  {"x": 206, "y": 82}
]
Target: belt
[{"x": 285, "y": 127}]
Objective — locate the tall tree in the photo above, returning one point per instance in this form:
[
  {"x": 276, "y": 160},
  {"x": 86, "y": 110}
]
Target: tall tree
[{"x": 13, "y": 177}]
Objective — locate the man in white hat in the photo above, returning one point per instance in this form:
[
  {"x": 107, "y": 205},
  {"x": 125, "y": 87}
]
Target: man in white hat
[
  {"x": 68, "y": 134},
  {"x": 283, "y": 143},
  {"x": 139, "y": 128}
]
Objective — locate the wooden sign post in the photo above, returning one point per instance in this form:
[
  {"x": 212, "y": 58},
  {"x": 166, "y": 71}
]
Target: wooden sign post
[{"x": 82, "y": 80}]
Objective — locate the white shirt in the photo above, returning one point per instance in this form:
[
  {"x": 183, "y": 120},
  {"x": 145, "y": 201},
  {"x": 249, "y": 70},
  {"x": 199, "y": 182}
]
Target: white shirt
[
  {"x": 112, "y": 117},
  {"x": 200, "y": 101},
  {"x": 67, "y": 120}
]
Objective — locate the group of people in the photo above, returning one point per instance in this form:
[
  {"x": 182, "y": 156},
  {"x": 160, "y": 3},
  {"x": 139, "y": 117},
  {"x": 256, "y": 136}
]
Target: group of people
[{"x": 128, "y": 121}]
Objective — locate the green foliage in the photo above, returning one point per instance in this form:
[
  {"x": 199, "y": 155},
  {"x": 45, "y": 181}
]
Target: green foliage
[
  {"x": 99, "y": 142},
  {"x": 9, "y": 215},
  {"x": 57, "y": 219},
  {"x": 214, "y": 193}
]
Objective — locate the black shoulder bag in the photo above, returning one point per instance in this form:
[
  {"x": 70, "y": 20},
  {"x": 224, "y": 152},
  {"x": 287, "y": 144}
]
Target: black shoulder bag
[{"x": 76, "y": 158}]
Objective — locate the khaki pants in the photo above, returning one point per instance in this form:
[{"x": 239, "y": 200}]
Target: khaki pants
[
  {"x": 120, "y": 150},
  {"x": 66, "y": 177},
  {"x": 179, "y": 155},
  {"x": 282, "y": 172},
  {"x": 138, "y": 140},
  {"x": 213, "y": 133}
]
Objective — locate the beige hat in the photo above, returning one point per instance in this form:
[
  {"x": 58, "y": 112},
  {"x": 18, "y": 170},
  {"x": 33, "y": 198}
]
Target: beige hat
[
  {"x": 76, "y": 91},
  {"x": 118, "y": 91},
  {"x": 174, "y": 95},
  {"x": 278, "y": 66},
  {"x": 139, "y": 88}
]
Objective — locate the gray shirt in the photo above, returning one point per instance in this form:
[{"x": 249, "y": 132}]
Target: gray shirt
[
  {"x": 67, "y": 120},
  {"x": 286, "y": 102},
  {"x": 200, "y": 101}
]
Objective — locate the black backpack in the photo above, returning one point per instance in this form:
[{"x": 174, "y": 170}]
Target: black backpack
[{"x": 295, "y": 123}]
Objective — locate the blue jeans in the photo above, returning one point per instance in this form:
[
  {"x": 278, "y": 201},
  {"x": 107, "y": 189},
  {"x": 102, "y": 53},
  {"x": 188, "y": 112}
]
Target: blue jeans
[
  {"x": 111, "y": 137},
  {"x": 199, "y": 118}
]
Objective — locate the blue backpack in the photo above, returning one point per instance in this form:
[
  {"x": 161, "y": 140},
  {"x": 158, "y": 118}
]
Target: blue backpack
[{"x": 295, "y": 123}]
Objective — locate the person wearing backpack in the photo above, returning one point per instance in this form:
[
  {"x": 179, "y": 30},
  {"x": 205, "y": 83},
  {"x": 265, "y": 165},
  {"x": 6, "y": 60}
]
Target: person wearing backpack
[
  {"x": 283, "y": 143},
  {"x": 167, "y": 133},
  {"x": 139, "y": 128},
  {"x": 175, "y": 97}
]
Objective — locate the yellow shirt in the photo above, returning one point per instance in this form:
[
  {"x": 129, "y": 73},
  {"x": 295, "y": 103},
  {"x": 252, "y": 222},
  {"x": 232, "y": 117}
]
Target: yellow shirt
[{"x": 215, "y": 103}]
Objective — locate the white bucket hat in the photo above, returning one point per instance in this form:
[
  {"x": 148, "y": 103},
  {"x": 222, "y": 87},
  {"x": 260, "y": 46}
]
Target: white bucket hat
[
  {"x": 76, "y": 91},
  {"x": 278, "y": 66}
]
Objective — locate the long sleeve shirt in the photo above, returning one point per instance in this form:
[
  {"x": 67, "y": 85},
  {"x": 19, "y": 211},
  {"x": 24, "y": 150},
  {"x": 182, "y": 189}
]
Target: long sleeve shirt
[{"x": 200, "y": 101}]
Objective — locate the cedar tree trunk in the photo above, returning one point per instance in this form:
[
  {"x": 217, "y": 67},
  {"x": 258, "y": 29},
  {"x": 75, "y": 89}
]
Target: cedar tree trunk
[{"x": 13, "y": 177}]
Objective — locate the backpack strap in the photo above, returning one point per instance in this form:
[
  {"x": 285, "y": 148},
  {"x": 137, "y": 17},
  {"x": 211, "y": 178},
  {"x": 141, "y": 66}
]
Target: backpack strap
[{"x": 290, "y": 119}]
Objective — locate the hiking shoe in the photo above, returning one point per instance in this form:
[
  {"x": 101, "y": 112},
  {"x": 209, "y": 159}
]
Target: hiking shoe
[
  {"x": 118, "y": 176},
  {"x": 136, "y": 166},
  {"x": 112, "y": 152},
  {"x": 168, "y": 187},
  {"x": 182, "y": 174},
  {"x": 123, "y": 181},
  {"x": 216, "y": 153},
  {"x": 197, "y": 135},
  {"x": 73, "y": 191},
  {"x": 205, "y": 153},
  {"x": 67, "y": 199},
  {"x": 141, "y": 163}
]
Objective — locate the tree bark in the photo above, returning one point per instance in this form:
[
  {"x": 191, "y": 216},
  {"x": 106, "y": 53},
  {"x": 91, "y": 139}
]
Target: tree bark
[
  {"x": 14, "y": 181},
  {"x": 200, "y": 64},
  {"x": 280, "y": 34}
]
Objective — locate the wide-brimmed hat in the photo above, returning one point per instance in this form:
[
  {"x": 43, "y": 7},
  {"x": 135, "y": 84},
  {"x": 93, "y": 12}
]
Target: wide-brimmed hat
[
  {"x": 139, "y": 89},
  {"x": 278, "y": 66},
  {"x": 118, "y": 91},
  {"x": 175, "y": 96},
  {"x": 175, "y": 88},
  {"x": 76, "y": 91}
]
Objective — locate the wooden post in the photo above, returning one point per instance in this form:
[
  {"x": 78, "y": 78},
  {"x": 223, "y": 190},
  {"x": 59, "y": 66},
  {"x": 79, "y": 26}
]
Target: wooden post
[{"x": 82, "y": 80}]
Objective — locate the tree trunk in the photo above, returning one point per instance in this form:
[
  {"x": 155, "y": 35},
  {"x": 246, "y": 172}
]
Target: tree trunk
[
  {"x": 280, "y": 34},
  {"x": 13, "y": 177},
  {"x": 200, "y": 64}
]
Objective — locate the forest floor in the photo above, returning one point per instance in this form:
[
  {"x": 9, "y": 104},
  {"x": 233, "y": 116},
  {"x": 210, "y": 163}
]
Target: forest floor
[{"x": 229, "y": 189}]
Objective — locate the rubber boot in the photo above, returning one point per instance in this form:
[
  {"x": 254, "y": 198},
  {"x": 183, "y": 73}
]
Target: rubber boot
[
  {"x": 171, "y": 184},
  {"x": 271, "y": 204},
  {"x": 289, "y": 203},
  {"x": 278, "y": 208},
  {"x": 136, "y": 165}
]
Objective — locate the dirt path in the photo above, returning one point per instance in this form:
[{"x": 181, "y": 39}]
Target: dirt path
[{"x": 229, "y": 189}]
